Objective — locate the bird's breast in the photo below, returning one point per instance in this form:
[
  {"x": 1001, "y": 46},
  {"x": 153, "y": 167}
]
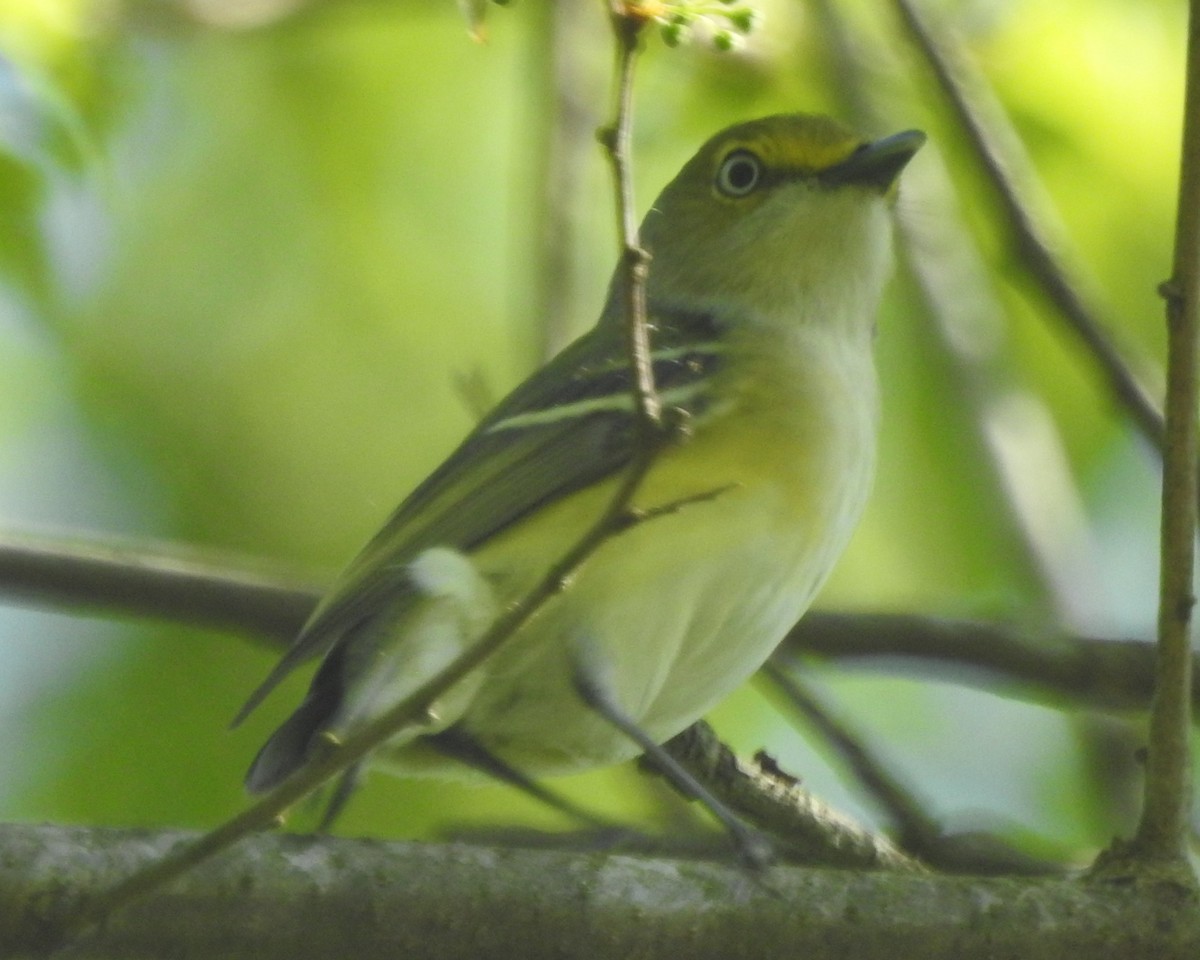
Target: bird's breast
[{"x": 745, "y": 520}]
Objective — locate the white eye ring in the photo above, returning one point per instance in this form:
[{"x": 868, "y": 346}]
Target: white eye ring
[{"x": 739, "y": 173}]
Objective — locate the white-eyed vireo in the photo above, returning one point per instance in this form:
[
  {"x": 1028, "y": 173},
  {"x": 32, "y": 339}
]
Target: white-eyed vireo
[{"x": 769, "y": 250}]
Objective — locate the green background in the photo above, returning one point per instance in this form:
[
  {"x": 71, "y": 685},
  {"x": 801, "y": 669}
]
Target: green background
[{"x": 248, "y": 252}]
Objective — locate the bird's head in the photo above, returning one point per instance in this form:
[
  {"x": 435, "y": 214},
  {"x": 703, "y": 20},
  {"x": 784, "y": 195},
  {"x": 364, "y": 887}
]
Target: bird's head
[{"x": 783, "y": 219}]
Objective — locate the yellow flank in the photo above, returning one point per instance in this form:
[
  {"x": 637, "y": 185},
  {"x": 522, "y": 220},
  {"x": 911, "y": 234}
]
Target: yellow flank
[{"x": 790, "y": 468}]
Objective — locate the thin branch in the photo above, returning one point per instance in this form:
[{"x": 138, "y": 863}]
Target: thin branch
[
  {"x": 803, "y": 828},
  {"x": 914, "y": 826},
  {"x": 1163, "y": 829},
  {"x": 917, "y": 831},
  {"x": 1028, "y": 241},
  {"x": 628, "y": 22},
  {"x": 943, "y": 259},
  {"x": 564, "y": 123},
  {"x": 1089, "y": 672}
]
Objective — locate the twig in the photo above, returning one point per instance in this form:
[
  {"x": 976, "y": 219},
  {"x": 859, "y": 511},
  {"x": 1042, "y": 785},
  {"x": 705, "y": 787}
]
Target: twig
[
  {"x": 1163, "y": 828},
  {"x": 628, "y": 22},
  {"x": 564, "y": 123},
  {"x": 802, "y": 827},
  {"x": 914, "y": 825},
  {"x": 918, "y": 833},
  {"x": 1028, "y": 241}
]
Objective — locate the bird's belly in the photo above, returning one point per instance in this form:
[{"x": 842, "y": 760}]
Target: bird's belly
[
  {"x": 675, "y": 635},
  {"x": 682, "y": 607}
]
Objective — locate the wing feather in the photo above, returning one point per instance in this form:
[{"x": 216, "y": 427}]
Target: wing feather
[{"x": 568, "y": 426}]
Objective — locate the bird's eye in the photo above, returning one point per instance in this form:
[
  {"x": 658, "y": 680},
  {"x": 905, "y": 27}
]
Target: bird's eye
[{"x": 739, "y": 173}]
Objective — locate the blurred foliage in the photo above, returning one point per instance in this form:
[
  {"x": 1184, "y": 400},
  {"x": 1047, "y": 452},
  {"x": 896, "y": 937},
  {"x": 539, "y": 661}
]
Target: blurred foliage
[{"x": 249, "y": 250}]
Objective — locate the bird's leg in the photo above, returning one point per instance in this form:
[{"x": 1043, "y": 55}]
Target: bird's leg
[
  {"x": 458, "y": 744},
  {"x": 590, "y": 673}
]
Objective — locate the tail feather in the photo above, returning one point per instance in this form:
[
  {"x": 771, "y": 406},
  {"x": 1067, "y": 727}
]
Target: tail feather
[{"x": 290, "y": 746}]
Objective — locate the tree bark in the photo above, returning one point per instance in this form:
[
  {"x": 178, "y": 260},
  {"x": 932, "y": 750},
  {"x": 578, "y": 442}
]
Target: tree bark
[{"x": 287, "y": 896}]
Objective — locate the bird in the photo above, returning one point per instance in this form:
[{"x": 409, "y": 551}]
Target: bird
[{"x": 769, "y": 254}]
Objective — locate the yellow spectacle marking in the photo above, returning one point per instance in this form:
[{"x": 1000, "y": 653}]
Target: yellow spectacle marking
[{"x": 823, "y": 145}]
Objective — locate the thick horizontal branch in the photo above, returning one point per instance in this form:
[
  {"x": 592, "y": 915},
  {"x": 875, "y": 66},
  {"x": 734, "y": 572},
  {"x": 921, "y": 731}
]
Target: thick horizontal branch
[
  {"x": 107, "y": 577},
  {"x": 168, "y": 584},
  {"x": 299, "y": 897},
  {"x": 1101, "y": 674}
]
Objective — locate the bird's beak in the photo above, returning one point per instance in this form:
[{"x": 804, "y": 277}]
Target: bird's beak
[{"x": 876, "y": 164}]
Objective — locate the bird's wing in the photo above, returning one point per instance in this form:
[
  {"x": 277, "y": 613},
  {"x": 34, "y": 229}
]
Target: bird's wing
[{"x": 569, "y": 425}]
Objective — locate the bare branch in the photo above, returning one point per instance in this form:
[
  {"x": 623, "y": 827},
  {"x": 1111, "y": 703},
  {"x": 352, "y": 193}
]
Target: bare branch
[
  {"x": 564, "y": 125},
  {"x": 803, "y": 828},
  {"x": 292, "y": 897},
  {"x": 1163, "y": 829},
  {"x": 1026, "y": 236},
  {"x": 917, "y": 831},
  {"x": 164, "y": 582},
  {"x": 628, "y": 22},
  {"x": 1092, "y": 672}
]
